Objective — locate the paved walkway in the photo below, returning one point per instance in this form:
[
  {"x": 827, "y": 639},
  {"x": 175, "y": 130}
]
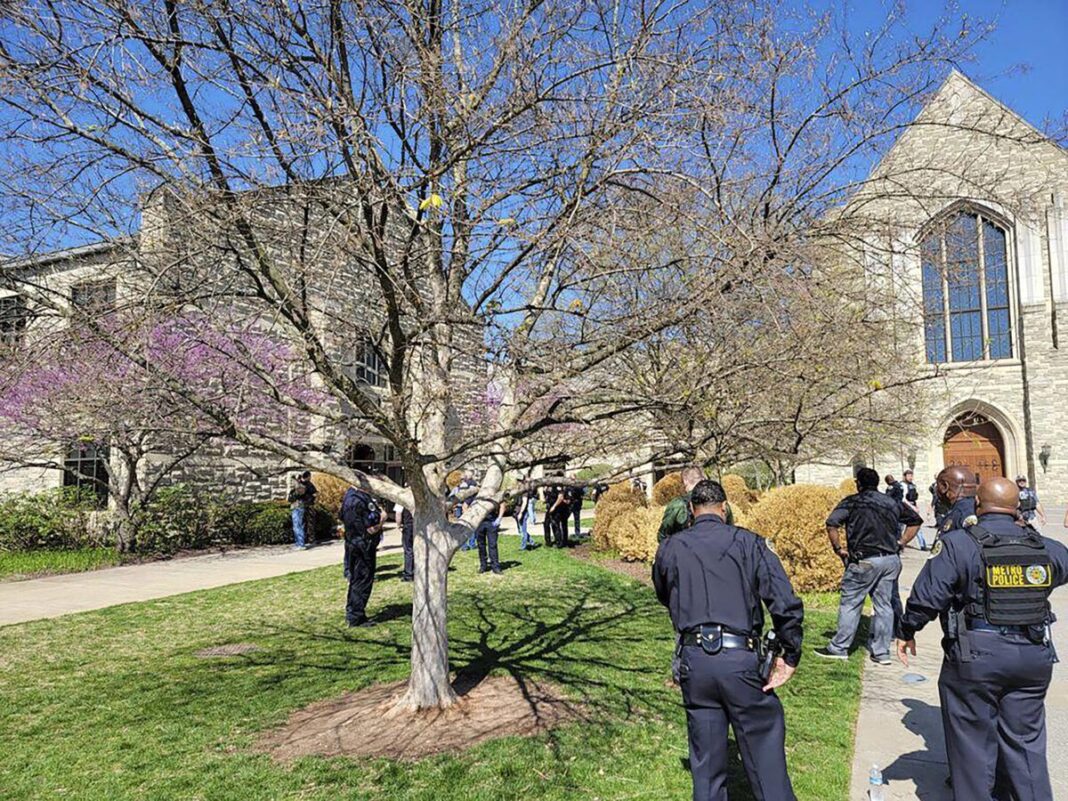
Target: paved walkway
[
  {"x": 900, "y": 725},
  {"x": 53, "y": 596}
]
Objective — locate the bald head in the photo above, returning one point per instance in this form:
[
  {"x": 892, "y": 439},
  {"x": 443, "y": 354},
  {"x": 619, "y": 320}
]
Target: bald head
[
  {"x": 997, "y": 496},
  {"x": 955, "y": 482}
]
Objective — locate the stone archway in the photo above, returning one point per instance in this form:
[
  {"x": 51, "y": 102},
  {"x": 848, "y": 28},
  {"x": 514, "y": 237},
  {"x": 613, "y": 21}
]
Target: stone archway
[{"x": 974, "y": 441}]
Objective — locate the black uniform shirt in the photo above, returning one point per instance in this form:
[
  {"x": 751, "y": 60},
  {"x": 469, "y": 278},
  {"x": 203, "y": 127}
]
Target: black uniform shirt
[
  {"x": 716, "y": 573},
  {"x": 872, "y": 522},
  {"x": 957, "y": 514},
  {"x": 407, "y": 523},
  {"x": 355, "y": 513},
  {"x": 896, "y": 491},
  {"x": 953, "y": 574}
]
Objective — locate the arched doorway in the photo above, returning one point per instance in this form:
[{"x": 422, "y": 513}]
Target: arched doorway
[{"x": 973, "y": 441}]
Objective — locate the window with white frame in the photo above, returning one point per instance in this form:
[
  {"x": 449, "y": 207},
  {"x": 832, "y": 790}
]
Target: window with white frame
[
  {"x": 370, "y": 366},
  {"x": 86, "y": 469},
  {"x": 966, "y": 316}
]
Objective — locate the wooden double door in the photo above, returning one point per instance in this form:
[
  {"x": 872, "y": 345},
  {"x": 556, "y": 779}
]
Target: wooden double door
[{"x": 974, "y": 442}]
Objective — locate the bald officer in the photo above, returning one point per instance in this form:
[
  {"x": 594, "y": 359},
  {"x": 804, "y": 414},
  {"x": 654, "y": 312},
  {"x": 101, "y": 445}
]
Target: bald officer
[
  {"x": 990, "y": 584},
  {"x": 956, "y": 486},
  {"x": 715, "y": 579}
]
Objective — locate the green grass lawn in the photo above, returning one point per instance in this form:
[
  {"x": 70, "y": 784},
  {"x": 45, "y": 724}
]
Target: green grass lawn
[
  {"x": 25, "y": 564},
  {"x": 114, "y": 705}
]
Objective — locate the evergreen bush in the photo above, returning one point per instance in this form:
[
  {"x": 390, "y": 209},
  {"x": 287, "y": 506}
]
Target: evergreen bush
[
  {"x": 668, "y": 489},
  {"x": 793, "y": 518},
  {"x": 633, "y": 533}
]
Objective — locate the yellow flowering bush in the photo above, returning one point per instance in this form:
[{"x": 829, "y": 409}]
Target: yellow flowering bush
[
  {"x": 793, "y": 519},
  {"x": 331, "y": 491}
]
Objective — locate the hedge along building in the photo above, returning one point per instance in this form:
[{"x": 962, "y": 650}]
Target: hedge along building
[
  {"x": 967, "y": 217},
  {"x": 181, "y": 250}
]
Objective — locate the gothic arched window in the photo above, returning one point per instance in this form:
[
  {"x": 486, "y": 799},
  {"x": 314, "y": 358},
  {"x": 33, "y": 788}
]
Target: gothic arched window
[{"x": 966, "y": 290}]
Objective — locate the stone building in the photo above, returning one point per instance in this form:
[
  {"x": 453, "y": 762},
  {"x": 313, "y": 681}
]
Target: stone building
[
  {"x": 184, "y": 246},
  {"x": 967, "y": 217}
]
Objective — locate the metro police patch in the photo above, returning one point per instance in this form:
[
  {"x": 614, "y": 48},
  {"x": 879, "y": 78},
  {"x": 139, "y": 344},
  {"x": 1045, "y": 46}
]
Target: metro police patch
[
  {"x": 947, "y": 526},
  {"x": 936, "y": 549}
]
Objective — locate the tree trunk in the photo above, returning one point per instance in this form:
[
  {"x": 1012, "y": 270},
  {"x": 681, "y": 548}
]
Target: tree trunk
[{"x": 429, "y": 686}]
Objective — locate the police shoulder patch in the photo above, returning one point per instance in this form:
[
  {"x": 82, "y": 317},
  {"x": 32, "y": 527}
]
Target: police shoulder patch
[
  {"x": 936, "y": 549},
  {"x": 948, "y": 525}
]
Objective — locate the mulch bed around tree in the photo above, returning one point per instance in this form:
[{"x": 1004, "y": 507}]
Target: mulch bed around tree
[
  {"x": 636, "y": 570},
  {"x": 368, "y": 724}
]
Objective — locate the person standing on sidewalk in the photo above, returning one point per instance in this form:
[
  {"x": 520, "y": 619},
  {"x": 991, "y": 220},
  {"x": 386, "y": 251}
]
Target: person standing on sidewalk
[
  {"x": 718, "y": 633},
  {"x": 990, "y": 584},
  {"x": 871, "y": 554},
  {"x": 1030, "y": 507},
  {"x": 912, "y": 499}
]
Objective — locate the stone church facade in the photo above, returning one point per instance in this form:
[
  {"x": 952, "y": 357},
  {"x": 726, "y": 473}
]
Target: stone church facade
[
  {"x": 343, "y": 302},
  {"x": 969, "y": 222}
]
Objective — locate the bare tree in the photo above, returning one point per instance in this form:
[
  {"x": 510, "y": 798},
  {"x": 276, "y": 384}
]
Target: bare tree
[{"x": 454, "y": 214}]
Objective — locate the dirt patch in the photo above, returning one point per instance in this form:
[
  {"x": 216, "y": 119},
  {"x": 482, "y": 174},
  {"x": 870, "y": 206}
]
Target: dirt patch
[
  {"x": 636, "y": 570},
  {"x": 233, "y": 649},
  {"x": 367, "y": 724}
]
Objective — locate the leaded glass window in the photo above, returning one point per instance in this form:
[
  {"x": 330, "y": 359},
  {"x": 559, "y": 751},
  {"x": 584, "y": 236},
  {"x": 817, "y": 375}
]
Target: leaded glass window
[{"x": 964, "y": 263}]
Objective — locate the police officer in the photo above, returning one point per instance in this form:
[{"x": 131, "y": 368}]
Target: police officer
[
  {"x": 549, "y": 495},
  {"x": 575, "y": 496},
  {"x": 912, "y": 497},
  {"x": 894, "y": 489},
  {"x": 559, "y": 514},
  {"x": 1029, "y": 505},
  {"x": 363, "y": 525},
  {"x": 719, "y": 632},
  {"x": 990, "y": 583},
  {"x": 956, "y": 487},
  {"x": 870, "y": 553}
]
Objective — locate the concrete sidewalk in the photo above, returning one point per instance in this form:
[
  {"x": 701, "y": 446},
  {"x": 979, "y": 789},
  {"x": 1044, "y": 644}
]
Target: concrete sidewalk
[
  {"x": 900, "y": 723},
  {"x": 35, "y": 599}
]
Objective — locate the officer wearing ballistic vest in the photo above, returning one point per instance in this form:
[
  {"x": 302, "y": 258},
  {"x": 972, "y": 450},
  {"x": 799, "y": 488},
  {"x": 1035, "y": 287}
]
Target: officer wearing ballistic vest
[
  {"x": 990, "y": 584},
  {"x": 719, "y": 641},
  {"x": 956, "y": 487},
  {"x": 1029, "y": 504}
]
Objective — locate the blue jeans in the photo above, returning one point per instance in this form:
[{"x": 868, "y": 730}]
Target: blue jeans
[
  {"x": 875, "y": 576},
  {"x": 525, "y": 521},
  {"x": 298, "y": 527}
]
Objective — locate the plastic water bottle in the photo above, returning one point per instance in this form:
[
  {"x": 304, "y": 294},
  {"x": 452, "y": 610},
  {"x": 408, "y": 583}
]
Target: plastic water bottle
[{"x": 875, "y": 785}]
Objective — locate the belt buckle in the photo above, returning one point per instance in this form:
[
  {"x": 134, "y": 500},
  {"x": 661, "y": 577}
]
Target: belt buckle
[{"x": 710, "y": 638}]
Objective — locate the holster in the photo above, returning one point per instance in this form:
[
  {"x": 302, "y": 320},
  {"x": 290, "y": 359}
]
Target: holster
[{"x": 958, "y": 630}]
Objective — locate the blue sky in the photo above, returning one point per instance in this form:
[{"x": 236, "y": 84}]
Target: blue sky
[{"x": 1024, "y": 63}]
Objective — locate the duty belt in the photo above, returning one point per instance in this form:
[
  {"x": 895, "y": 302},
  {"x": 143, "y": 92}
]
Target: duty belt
[
  {"x": 977, "y": 624},
  {"x": 716, "y": 638}
]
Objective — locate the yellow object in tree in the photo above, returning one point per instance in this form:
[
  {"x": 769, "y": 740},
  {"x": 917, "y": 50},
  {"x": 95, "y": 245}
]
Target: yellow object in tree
[{"x": 432, "y": 202}]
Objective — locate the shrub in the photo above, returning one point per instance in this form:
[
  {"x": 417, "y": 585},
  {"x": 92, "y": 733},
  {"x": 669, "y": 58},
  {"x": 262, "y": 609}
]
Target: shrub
[
  {"x": 617, "y": 499},
  {"x": 668, "y": 489},
  {"x": 331, "y": 491},
  {"x": 848, "y": 486},
  {"x": 177, "y": 519},
  {"x": 633, "y": 533},
  {"x": 56, "y": 518},
  {"x": 793, "y": 519},
  {"x": 738, "y": 493}
]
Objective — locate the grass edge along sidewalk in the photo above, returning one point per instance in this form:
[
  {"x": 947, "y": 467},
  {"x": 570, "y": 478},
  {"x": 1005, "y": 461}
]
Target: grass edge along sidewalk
[{"x": 115, "y": 703}]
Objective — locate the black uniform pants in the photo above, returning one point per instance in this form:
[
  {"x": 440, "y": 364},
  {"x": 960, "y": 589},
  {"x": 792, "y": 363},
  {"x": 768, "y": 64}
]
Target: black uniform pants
[
  {"x": 560, "y": 524},
  {"x": 548, "y": 527},
  {"x": 362, "y": 554},
  {"x": 577, "y": 514},
  {"x": 723, "y": 690},
  {"x": 408, "y": 545},
  {"x": 994, "y": 716},
  {"x": 487, "y": 535}
]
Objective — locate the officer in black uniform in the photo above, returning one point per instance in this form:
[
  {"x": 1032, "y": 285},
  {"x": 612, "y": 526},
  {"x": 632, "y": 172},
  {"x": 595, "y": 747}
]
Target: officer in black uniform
[
  {"x": 549, "y": 494},
  {"x": 956, "y": 487},
  {"x": 575, "y": 496},
  {"x": 990, "y": 583},
  {"x": 362, "y": 518},
  {"x": 718, "y": 633}
]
